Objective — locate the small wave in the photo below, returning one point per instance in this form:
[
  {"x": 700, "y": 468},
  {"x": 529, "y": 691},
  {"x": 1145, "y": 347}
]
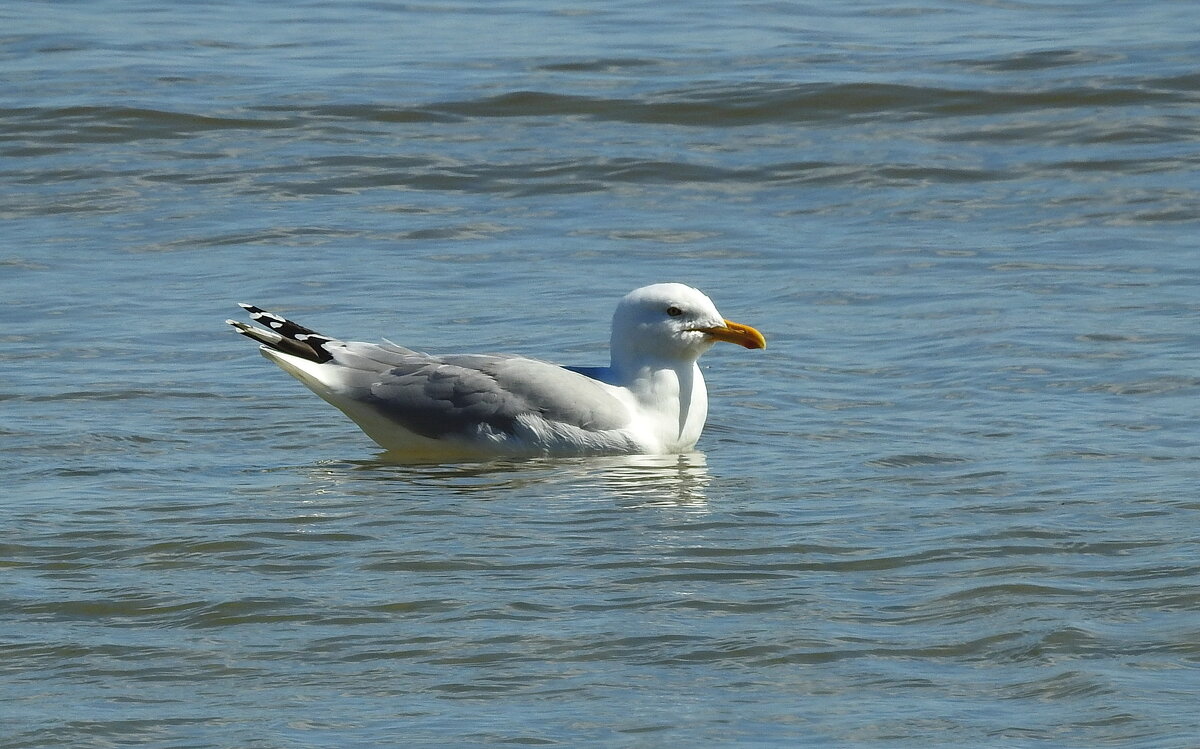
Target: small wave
[
  {"x": 600, "y": 65},
  {"x": 914, "y": 460},
  {"x": 707, "y": 106},
  {"x": 364, "y": 112},
  {"x": 806, "y": 102},
  {"x": 120, "y": 395},
  {"x": 1040, "y": 60},
  {"x": 114, "y": 124}
]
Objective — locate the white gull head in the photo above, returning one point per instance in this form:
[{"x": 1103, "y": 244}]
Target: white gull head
[
  {"x": 658, "y": 333},
  {"x": 671, "y": 322}
]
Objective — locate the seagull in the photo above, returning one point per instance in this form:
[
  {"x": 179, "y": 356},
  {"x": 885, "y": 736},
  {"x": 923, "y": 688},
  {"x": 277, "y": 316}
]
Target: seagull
[{"x": 651, "y": 399}]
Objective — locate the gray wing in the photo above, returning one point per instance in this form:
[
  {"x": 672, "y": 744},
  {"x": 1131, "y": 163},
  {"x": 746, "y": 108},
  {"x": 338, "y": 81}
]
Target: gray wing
[{"x": 438, "y": 397}]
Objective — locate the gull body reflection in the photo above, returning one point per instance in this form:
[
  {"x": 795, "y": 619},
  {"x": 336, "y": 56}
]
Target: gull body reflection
[{"x": 629, "y": 480}]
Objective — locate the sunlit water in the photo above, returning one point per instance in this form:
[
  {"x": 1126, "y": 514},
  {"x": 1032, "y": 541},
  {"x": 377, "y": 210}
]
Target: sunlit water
[{"x": 953, "y": 504}]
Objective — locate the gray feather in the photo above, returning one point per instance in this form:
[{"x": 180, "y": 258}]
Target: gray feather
[{"x": 438, "y": 397}]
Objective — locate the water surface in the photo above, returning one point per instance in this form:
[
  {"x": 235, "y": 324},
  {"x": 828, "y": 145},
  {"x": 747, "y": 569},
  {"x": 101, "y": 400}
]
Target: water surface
[{"x": 953, "y": 503}]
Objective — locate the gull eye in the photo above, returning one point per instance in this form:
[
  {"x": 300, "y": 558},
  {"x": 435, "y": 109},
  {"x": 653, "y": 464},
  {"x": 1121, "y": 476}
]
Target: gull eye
[{"x": 674, "y": 311}]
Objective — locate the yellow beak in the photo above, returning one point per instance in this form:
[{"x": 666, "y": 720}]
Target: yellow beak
[{"x": 734, "y": 332}]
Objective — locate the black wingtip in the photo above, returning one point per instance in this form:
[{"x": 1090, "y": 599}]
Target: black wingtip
[{"x": 284, "y": 335}]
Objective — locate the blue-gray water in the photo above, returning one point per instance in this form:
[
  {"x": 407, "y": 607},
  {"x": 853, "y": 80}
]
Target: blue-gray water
[{"x": 953, "y": 504}]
